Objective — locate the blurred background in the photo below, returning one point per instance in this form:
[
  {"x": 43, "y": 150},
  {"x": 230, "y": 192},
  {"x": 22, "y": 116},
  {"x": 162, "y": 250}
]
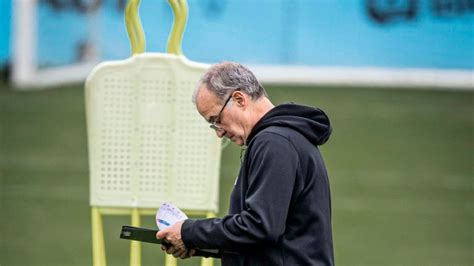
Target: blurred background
[{"x": 395, "y": 77}]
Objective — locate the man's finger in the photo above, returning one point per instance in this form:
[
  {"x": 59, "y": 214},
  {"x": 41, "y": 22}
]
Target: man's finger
[
  {"x": 162, "y": 234},
  {"x": 170, "y": 250},
  {"x": 185, "y": 255},
  {"x": 188, "y": 254},
  {"x": 179, "y": 253}
]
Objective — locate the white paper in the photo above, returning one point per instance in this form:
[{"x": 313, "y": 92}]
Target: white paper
[{"x": 168, "y": 214}]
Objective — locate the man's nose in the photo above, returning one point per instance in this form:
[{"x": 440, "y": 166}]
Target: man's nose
[{"x": 220, "y": 133}]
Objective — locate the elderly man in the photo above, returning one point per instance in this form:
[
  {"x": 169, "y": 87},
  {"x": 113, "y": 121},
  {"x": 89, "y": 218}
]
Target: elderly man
[{"x": 280, "y": 207}]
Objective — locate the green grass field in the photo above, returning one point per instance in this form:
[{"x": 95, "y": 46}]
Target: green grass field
[{"x": 400, "y": 165}]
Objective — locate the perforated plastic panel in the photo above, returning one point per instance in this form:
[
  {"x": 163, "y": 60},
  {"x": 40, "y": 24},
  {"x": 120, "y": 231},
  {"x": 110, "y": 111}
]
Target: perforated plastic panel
[{"x": 147, "y": 142}]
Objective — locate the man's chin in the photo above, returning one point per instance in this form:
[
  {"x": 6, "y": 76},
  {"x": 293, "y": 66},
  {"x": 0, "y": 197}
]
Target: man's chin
[{"x": 237, "y": 141}]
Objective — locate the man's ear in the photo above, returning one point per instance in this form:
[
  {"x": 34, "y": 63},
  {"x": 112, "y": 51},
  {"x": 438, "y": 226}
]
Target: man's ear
[{"x": 240, "y": 99}]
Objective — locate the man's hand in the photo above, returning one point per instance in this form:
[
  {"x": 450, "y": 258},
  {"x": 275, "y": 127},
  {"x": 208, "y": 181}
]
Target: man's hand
[{"x": 173, "y": 236}]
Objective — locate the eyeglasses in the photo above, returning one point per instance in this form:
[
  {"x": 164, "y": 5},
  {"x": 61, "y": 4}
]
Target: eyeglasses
[{"x": 216, "y": 120}]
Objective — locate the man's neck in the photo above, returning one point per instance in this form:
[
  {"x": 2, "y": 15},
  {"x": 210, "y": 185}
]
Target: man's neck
[{"x": 259, "y": 109}]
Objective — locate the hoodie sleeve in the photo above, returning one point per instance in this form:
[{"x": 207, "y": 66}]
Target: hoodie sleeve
[{"x": 272, "y": 170}]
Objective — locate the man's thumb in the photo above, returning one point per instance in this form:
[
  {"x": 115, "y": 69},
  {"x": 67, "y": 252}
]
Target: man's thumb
[{"x": 161, "y": 234}]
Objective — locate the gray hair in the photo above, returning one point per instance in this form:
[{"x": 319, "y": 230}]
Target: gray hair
[{"x": 224, "y": 78}]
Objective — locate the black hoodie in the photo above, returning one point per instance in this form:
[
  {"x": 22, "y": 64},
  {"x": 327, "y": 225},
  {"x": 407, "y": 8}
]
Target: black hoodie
[{"x": 280, "y": 207}]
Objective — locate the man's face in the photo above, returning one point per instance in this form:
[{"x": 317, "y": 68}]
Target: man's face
[{"x": 227, "y": 118}]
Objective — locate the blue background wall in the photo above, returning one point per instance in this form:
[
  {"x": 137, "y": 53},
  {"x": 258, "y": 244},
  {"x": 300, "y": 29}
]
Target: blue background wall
[
  {"x": 407, "y": 34},
  {"x": 5, "y": 28}
]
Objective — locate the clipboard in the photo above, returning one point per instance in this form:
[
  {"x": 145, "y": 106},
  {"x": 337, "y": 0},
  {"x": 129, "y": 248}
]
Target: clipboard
[
  {"x": 149, "y": 236},
  {"x": 141, "y": 234}
]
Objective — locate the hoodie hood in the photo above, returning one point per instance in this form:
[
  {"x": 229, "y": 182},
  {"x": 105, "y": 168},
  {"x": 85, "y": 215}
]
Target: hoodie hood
[{"x": 311, "y": 122}]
